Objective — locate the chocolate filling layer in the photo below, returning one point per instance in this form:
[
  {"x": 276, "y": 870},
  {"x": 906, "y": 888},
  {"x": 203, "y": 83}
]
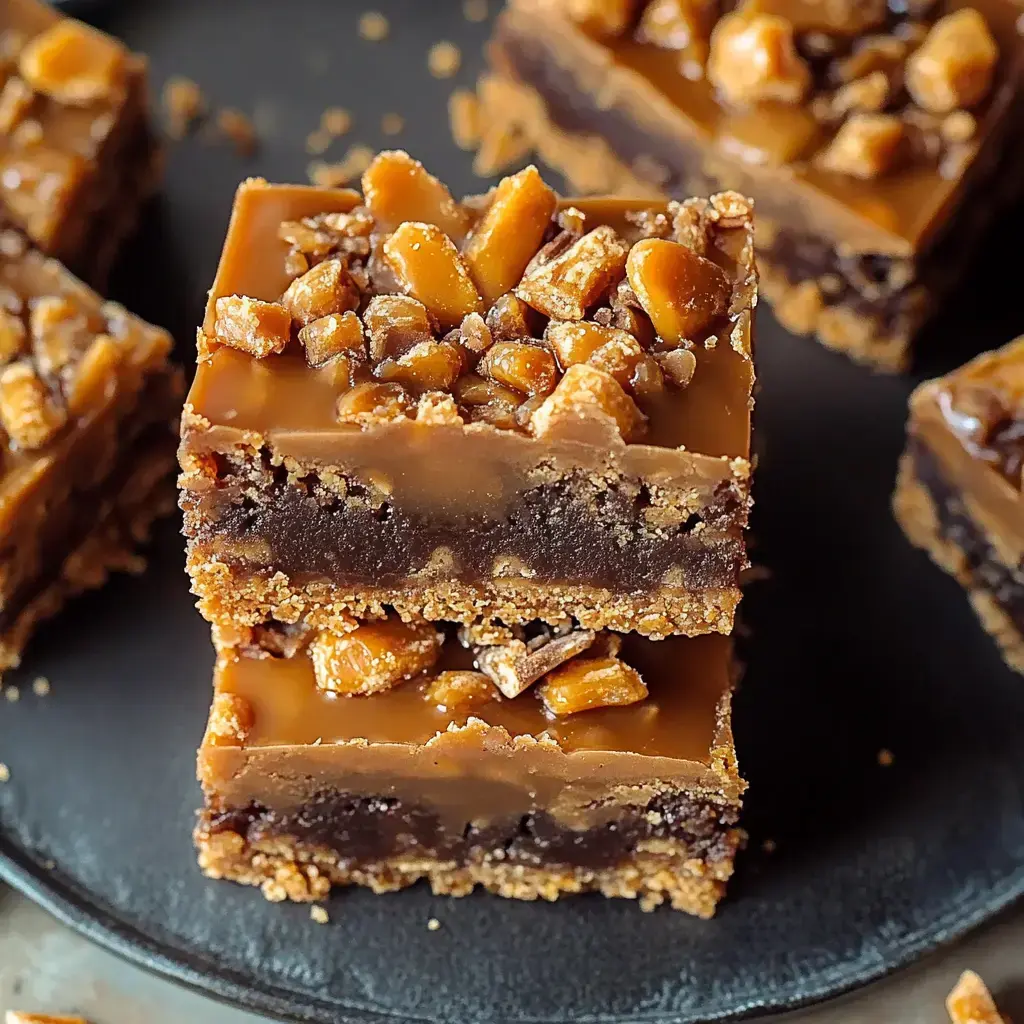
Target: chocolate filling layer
[
  {"x": 366, "y": 829},
  {"x": 566, "y": 531},
  {"x": 1006, "y": 585}
]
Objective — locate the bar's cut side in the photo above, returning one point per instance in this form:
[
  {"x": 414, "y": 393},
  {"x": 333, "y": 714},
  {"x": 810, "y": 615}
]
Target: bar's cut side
[
  {"x": 507, "y": 409},
  {"x": 88, "y": 405},
  {"x": 77, "y": 155},
  {"x": 443, "y": 778},
  {"x": 862, "y": 130},
  {"x": 958, "y": 494}
]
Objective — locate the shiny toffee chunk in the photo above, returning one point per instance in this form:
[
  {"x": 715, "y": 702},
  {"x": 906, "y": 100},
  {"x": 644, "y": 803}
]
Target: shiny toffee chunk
[
  {"x": 885, "y": 90},
  {"x": 504, "y": 311},
  {"x": 989, "y": 419},
  {"x": 573, "y": 669}
]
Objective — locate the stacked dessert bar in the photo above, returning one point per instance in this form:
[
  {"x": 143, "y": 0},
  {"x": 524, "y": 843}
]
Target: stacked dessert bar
[
  {"x": 877, "y": 138},
  {"x": 959, "y": 490},
  {"x": 87, "y": 397},
  {"x": 465, "y": 488}
]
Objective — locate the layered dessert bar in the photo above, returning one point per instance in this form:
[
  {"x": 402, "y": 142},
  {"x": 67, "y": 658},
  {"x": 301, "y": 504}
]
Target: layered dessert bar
[
  {"x": 77, "y": 156},
  {"x": 876, "y": 138},
  {"x": 576, "y": 761},
  {"x": 958, "y": 494},
  {"x": 87, "y": 406},
  {"x": 510, "y": 408}
]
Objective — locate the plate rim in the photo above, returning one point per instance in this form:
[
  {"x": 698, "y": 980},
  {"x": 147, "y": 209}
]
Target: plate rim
[{"x": 72, "y": 905}]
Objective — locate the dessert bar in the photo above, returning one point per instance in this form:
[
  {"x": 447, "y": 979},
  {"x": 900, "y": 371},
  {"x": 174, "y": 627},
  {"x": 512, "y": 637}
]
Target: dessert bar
[
  {"x": 958, "y": 494},
  {"x": 876, "y": 139},
  {"x": 383, "y": 756},
  {"x": 87, "y": 406},
  {"x": 510, "y": 408},
  {"x": 77, "y": 157}
]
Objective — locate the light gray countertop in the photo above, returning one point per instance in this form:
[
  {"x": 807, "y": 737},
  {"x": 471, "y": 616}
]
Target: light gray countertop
[{"x": 44, "y": 967}]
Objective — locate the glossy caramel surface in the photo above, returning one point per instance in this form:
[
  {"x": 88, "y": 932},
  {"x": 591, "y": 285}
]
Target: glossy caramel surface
[{"x": 687, "y": 679}]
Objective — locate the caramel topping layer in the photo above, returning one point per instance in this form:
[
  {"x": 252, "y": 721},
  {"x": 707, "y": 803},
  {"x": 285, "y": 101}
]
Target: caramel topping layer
[
  {"x": 242, "y": 385},
  {"x": 887, "y": 198},
  {"x": 686, "y": 679}
]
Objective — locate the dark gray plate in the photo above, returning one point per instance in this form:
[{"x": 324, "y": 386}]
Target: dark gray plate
[{"x": 859, "y": 644}]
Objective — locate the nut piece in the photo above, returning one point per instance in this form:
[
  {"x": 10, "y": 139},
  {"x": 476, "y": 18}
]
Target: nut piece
[
  {"x": 27, "y": 413},
  {"x": 678, "y": 365},
  {"x": 438, "y": 409},
  {"x": 372, "y": 403},
  {"x": 12, "y": 335},
  {"x": 507, "y": 318},
  {"x": 619, "y": 357},
  {"x": 527, "y": 368},
  {"x": 332, "y": 335},
  {"x": 509, "y": 233},
  {"x": 327, "y": 288},
  {"x": 681, "y": 25},
  {"x": 971, "y": 1003},
  {"x": 95, "y": 377},
  {"x": 870, "y": 93},
  {"x": 374, "y": 656},
  {"x": 429, "y": 267},
  {"x": 564, "y": 287},
  {"x": 397, "y": 188},
  {"x": 680, "y": 291},
  {"x": 427, "y": 366},
  {"x": 73, "y": 63},
  {"x": 586, "y": 393},
  {"x": 515, "y": 667},
  {"x": 230, "y": 722},
  {"x": 953, "y": 66},
  {"x": 591, "y": 683},
  {"x": 487, "y": 400},
  {"x": 753, "y": 58},
  {"x": 452, "y": 691},
  {"x": 257, "y": 327},
  {"x": 474, "y": 334},
  {"x": 866, "y": 146},
  {"x": 59, "y": 330},
  {"x": 395, "y": 323}
]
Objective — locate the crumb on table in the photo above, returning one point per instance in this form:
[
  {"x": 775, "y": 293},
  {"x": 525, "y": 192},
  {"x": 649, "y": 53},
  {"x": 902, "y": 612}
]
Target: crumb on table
[
  {"x": 392, "y": 124},
  {"x": 183, "y": 103},
  {"x": 885, "y": 757},
  {"x": 41, "y": 686},
  {"x": 444, "y": 59},
  {"x": 13, "y": 694},
  {"x": 373, "y": 26},
  {"x": 236, "y": 127},
  {"x": 474, "y": 10},
  {"x": 5, "y": 773},
  {"x": 433, "y": 924},
  {"x": 319, "y": 914}
]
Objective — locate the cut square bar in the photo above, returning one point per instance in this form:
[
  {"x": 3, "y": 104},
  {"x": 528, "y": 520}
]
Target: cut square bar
[
  {"x": 77, "y": 156},
  {"x": 307, "y": 788},
  {"x": 88, "y": 404},
  {"x": 862, "y": 131},
  {"x": 958, "y": 494},
  {"x": 541, "y": 410}
]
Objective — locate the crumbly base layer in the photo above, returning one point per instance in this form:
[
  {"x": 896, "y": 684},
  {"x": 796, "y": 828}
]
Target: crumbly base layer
[
  {"x": 124, "y": 522},
  {"x": 286, "y": 868},
  {"x": 234, "y": 601},
  {"x": 918, "y": 515}
]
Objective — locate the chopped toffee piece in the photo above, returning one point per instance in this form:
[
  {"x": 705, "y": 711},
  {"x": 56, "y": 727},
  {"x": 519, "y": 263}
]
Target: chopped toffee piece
[
  {"x": 959, "y": 491},
  {"x": 77, "y": 155},
  {"x": 87, "y": 405},
  {"x": 614, "y": 775},
  {"x": 970, "y": 1002},
  {"x": 861, "y": 129},
  {"x": 512, "y": 409}
]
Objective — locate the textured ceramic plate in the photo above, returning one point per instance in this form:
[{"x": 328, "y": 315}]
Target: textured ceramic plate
[{"x": 858, "y": 644}]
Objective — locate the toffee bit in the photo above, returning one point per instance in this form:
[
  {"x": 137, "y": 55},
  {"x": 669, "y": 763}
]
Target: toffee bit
[
  {"x": 433, "y": 924},
  {"x": 474, "y": 10},
  {"x": 184, "y": 104},
  {"x": 318, "y": 142},
  {"x": 373, "y": 26},
  {"x": 885, "y": 758},
  {"x": 12, "y": 694},
  {"x": 392, "y": 124},
  {"x": 464, "y": 118},
  {"x": 41, "y": 686},
  {"x": 769, "y": 846},
  {"x": 319, "y": 915},
  {"x": 444, "y": 59},
  {"x": 970, "y": 1002}
]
